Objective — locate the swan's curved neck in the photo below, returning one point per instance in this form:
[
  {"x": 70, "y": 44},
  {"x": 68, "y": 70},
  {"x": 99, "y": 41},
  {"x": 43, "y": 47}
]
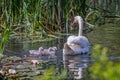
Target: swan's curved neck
[{"x": 80, "y": 24}]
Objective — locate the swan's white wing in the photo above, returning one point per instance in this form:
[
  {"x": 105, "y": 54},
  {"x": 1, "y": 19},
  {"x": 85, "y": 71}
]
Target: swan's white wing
[
  {"x": 79, "y": 40},
  {"x": 71, "y": 39},
  {"x": 82, "y": 41}
]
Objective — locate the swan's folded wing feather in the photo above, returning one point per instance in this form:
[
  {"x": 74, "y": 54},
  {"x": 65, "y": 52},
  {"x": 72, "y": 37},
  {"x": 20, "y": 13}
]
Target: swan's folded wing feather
[{"x": 67, "y": 50}]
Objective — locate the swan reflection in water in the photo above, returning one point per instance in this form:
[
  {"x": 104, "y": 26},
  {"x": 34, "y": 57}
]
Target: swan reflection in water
[{"x": 76, "y": 50}]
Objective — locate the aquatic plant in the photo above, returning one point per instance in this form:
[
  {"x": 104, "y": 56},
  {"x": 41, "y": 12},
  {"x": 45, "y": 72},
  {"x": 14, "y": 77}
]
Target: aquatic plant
[
  {"x": 4, "y": 36},
  {"x": 103, "y": 68},
  {"x": 52, "y": 74},
  {"x": 46, "y": 16},
  {"x": 40, "y": 15}
]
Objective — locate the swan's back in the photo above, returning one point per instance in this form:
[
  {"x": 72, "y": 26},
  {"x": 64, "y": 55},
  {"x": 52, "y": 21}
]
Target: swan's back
[
  {"x": 79, "y": 40},
  {"x": 79, "y": 44}
]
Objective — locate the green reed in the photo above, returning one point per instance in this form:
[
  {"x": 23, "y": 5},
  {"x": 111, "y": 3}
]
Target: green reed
[
  {"x": 52, "y": 74},
  {"x": 103, "y": 68},
  {"x": 41, "y": 15},
  {"x": 46, "y": 15},
  {"x": 6, "y": 31}
]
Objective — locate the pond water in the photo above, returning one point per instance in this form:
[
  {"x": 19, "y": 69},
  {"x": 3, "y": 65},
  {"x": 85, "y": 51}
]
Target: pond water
[{"x": 107, "y": 35}]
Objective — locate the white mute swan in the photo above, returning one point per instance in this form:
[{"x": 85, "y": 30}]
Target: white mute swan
[{"x": 77, "y": 44}]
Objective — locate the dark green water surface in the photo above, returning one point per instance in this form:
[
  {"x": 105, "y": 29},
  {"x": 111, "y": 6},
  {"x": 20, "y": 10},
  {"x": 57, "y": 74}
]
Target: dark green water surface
[{"x": 108, "y": 36}]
